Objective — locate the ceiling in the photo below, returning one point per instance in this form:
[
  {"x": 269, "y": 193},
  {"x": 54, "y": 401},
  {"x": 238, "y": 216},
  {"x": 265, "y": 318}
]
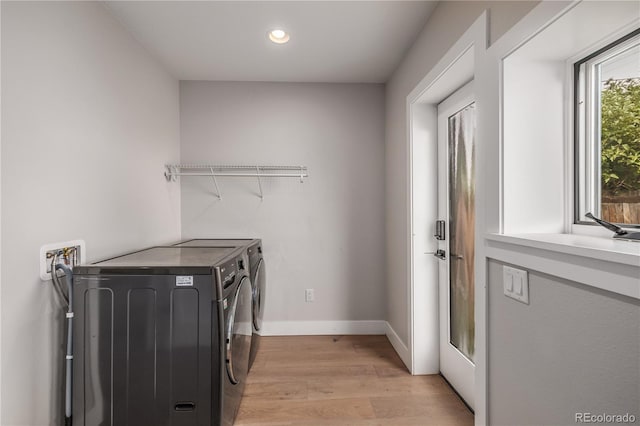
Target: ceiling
[{"x": 331, "y": 41}]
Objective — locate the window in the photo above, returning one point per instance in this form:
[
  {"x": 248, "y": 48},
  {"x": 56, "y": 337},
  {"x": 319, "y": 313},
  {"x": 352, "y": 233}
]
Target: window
[{"x": 607, "y": 132}]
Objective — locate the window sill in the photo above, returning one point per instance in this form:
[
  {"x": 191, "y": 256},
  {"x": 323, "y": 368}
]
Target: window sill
[
  {"x": 607, "y": 249},
  {"x": 599, "y": 262}
]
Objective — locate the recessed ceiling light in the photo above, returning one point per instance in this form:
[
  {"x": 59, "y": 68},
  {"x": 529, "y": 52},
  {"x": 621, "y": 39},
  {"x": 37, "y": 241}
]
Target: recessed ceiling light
[{"x": 278, "y": 36}]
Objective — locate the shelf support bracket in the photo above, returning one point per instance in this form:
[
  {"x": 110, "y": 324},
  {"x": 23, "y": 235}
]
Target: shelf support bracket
[
  {"x": 259, "y": 183},
  {"x": 170, "y": 174},
  {"x": 215, "y": 182}
]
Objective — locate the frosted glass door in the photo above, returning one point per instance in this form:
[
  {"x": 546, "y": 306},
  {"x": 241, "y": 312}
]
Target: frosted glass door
[{"x": 461, "y": 138}]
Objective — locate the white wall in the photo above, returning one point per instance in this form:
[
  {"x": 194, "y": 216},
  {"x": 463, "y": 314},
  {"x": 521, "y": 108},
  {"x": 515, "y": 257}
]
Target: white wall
[
  {"x": 327, "y": 233},
  {"x": 88, "y": 121},
  {"x": 524, "y": 150},
  {"x": 447, "y": 23}
]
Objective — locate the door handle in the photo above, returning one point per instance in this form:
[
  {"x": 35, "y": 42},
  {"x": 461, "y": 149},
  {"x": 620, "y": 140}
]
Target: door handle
[
  {"x": 440, "y": 254},
  {"x": 456, "y": 256}
]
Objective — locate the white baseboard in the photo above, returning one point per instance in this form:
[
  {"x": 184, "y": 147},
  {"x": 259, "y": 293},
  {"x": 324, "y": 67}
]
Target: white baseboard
[
  {"x": 398, "y": 345},
  {"x": 310, "y": 328}
]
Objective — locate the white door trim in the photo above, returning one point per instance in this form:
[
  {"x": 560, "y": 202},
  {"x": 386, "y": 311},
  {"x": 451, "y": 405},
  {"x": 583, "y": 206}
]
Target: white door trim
[{"x": 456, "y": 68}]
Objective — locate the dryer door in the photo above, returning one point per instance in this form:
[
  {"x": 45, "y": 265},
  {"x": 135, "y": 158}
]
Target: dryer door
[
  {"x": 238, "y": 332},
  {"x": 259, "y": 290}
]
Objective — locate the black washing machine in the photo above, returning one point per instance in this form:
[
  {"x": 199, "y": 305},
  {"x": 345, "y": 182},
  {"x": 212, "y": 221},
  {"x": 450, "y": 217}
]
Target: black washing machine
[
  {"x": 162, "y": 337},
  {"x": 258, "y": 279}
]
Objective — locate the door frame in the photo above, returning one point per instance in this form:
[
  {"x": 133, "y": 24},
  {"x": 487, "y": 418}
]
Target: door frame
[{"x": 457, "y": 67}]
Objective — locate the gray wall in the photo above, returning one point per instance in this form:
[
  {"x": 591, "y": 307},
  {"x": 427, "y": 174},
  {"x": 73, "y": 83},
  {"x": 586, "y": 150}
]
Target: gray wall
[
  {"x": 88, "y": 121},
  {"x": 449, "y": 20},
  {"x": 326, "y": 234},
  {"x": 573, "y": 349}
]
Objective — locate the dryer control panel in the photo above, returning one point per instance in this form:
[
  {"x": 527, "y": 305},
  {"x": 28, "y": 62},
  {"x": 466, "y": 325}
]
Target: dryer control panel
[
  {"x": 231, "y": 270},
  {"x": 228, "y": 274}
]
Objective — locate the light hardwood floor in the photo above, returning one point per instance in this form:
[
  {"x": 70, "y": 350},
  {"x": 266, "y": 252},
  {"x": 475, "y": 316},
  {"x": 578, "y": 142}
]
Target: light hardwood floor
[{"x": 343, "y": 380}]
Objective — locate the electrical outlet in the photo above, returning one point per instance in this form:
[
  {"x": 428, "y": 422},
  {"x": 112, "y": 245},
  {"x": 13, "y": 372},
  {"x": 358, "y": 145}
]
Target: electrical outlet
[
  {"x": 309, "y": 295},
  {"x": 48, "y": 250}
]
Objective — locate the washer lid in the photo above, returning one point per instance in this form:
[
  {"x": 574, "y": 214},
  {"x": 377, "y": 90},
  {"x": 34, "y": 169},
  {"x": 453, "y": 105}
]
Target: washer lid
[{"x": 167, "y": 258}]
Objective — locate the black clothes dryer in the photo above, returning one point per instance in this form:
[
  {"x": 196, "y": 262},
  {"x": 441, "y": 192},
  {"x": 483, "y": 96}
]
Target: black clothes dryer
[
  {"x": 258, "y": 279},
  {"x": 162, "y": 337}
]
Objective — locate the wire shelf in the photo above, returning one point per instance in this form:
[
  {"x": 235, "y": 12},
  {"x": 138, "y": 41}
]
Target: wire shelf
[{"x": 173, "y": 171}]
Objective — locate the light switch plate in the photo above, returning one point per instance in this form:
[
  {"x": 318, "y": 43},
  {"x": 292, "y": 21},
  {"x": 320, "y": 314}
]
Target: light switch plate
[{"x": 516, "y": 284}]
